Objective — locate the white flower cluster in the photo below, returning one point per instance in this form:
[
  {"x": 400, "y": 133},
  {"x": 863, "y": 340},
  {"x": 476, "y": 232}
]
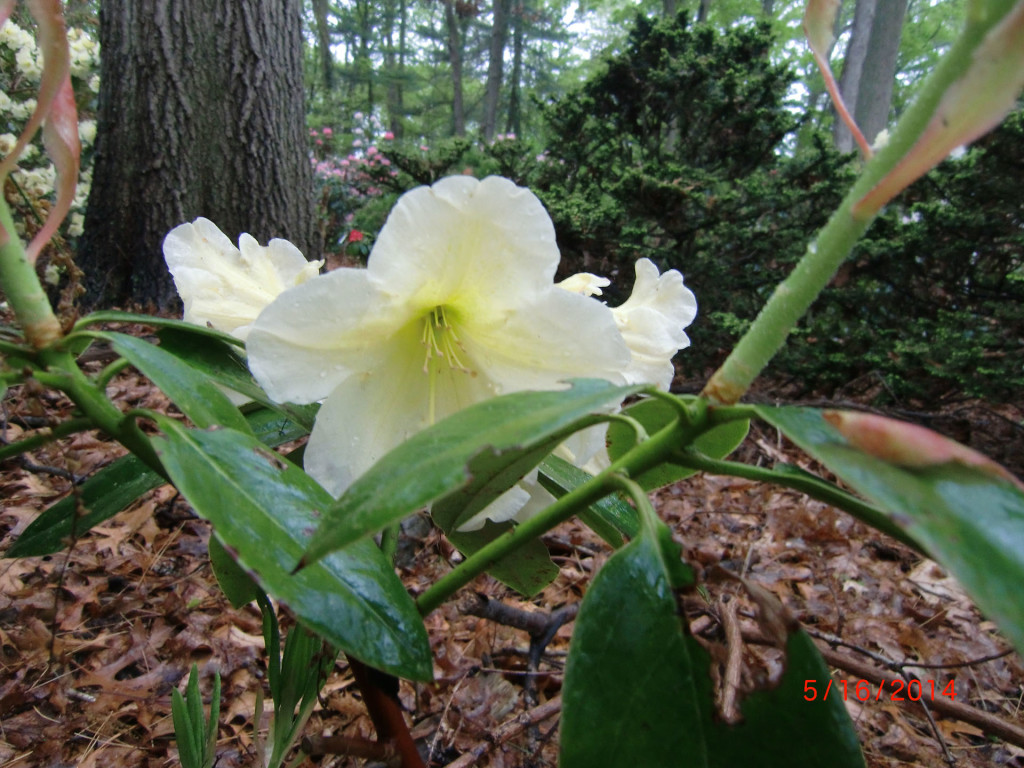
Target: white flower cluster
[{"x": 21, "y": 64}]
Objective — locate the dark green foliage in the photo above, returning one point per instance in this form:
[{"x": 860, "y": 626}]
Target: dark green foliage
[
  {"x": 674, "y": 152},
  {"x": 932, "y": 301},
  {"x": 681, "y": 150}
]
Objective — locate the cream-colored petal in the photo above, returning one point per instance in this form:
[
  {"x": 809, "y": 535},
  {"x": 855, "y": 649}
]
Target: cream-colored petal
[
  {"x": 484, "y": 243},
  {"x": 553, "y": 336},
  {"x": 522, "y": 501},
  {"x": 585, "y": 283},
  {"x": 652, "y": 321},
  {"x": 371, "y": 412},
  {"x": 223, "y": 286},
  {"x": 319, "y": 333},
  {"x": 503, "y": 508}
]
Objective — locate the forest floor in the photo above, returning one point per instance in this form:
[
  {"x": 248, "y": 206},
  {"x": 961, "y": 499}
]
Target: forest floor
[{"x": 94, "y": 639}]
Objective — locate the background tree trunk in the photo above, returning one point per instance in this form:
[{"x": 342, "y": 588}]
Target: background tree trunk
[
  {"x": 495, "y": 67},
  {"x": 869, "y": 67},
  {"x": 200, "y": 114},
  {"x": 455, "y": 59}
]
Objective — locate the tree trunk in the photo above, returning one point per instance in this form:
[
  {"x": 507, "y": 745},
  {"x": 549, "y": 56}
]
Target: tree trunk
[
  {"x": 495, "y": 68},
  {"x": 869, "y": 68},
  {"x": 323, "y": 43},
  {"x": 455, "y": 59},
  {"x": 515, "y": 117},
  {"x": 200, "y": 114}
]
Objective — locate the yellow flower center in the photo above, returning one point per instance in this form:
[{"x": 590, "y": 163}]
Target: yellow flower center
[
  {"x": 443, "y": 346},
  {"x": 441, "y": 340}
]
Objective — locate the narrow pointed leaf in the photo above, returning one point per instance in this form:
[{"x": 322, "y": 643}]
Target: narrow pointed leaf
[
  {"x": 265, "y": 509},
  {"x": 611, "y": 517},
  {"x": 115, "y": 487},
  {"x": 964, "y": 516},
  {"x": 222, "y": 362},
  {"x": 196, "y": 396},
  {"x": 436, "y": 461},
  {"x": 117, "y": 316}
]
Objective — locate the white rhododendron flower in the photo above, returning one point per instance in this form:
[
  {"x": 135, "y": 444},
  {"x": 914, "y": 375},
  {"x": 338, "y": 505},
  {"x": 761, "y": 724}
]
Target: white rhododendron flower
[
  {"x": 227, "y": 287},
  {"x": 457, "y": 304},
  {"x": 652, "y": 322}
]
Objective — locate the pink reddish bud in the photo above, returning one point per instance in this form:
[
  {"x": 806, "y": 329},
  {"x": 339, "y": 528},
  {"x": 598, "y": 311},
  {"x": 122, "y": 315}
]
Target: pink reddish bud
[
  {"x": 908, "y": 445},
  {"x": 388, "y": 136},
  {"x": 355, "y": 236}
]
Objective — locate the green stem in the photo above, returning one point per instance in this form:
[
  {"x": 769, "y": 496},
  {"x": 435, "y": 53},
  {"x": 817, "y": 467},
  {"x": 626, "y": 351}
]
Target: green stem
[
  {"x": 796, "y": 293},
  {"x": 64, "y": 374},
  {"x": 63, "y": 429},
  {"x": 21, "y": 285},
  {"x": 641, "y": 458},
  {"x": 807, "y": 484}
]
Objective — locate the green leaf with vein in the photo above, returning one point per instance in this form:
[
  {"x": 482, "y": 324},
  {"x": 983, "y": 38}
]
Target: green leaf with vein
[
  {"x": 485, "y": 438},
  {"x": 265, "y": 510},
  {"x": 527, "y": 570},
  {"x": 196, "y": 396},
  {"x": 969, "y": 520},
  {"x": 655, "y": 413},
  {"x": 116, "y": 486}
]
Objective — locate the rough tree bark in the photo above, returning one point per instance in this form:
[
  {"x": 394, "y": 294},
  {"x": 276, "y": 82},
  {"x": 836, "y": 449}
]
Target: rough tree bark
[
  {"x": 869, "y": 68},
  {"x": 200, "y": 114}
]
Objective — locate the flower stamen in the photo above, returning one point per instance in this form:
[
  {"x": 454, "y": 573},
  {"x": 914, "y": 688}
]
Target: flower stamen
[{"x": 441, "y": 340}]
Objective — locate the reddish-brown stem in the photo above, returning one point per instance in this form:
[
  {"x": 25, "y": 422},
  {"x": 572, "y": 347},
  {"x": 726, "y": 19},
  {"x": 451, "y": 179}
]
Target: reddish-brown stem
[{"x": 380, "y": 694}]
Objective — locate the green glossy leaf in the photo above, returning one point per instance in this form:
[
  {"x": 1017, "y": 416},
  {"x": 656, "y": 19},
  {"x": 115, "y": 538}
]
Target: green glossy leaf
[
  {"x": 196, "y": 396},
  {"x": 117, "y": 316},
  {"x": 223, "y": 363},
  {"x": 611, "y": 517},
  {"x": 238, "y": 585},
  {"x": 629, "y": 697},
  {"x": 116, "y": 486},
  {"x": 968, "y": 520},
  {"x": 266, "y": 509},
  {"x": 655, "y": 413},
  {"x": 489, "y": 436}
]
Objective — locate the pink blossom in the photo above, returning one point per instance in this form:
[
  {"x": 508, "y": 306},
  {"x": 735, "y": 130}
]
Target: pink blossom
[
  {"x": 388, "y": 136},
  {"x": 313, "y": 133},
  {"x": 328, "y": 132}
]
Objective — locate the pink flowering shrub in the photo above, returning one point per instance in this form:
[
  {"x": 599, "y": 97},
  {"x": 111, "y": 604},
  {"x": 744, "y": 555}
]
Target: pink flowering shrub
[{"x": 351, "y": 172}]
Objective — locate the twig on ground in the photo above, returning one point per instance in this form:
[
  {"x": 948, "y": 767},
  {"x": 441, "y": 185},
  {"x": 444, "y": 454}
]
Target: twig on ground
[
  {"x": 508, "y": 730},
  {"x": 539, "y": 625}
]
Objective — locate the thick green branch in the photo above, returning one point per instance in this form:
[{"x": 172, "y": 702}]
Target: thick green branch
[
  {"x": 642, "y": 457},
  {"x": 794, "y": 296}
]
